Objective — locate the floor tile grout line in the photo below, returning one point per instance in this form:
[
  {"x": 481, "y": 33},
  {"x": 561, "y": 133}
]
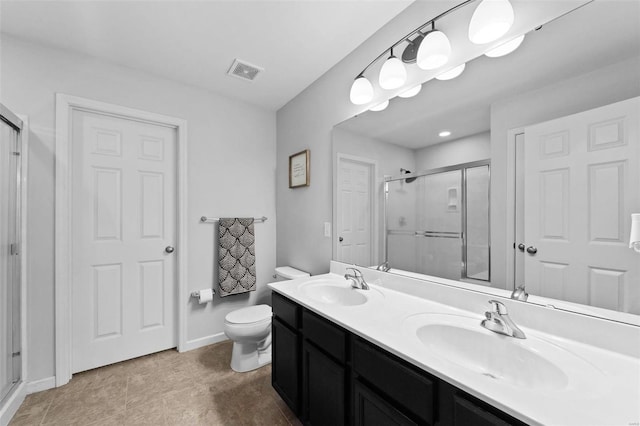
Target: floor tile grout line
[{"x": 46, "y": 411}]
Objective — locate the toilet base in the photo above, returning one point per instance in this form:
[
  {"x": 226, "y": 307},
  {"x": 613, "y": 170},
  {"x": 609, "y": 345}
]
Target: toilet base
[{"x": 247, "y": 357}]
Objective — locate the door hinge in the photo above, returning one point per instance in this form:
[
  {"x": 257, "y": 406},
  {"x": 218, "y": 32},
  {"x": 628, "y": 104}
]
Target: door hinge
[
  {"x": 13, "y": 249},
  {"x": 15, "y": 153},
  {"x": 15, "y": 354}
]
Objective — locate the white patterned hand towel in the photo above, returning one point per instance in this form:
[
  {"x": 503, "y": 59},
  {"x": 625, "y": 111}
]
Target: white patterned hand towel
[{"x": 237, "y": 260}]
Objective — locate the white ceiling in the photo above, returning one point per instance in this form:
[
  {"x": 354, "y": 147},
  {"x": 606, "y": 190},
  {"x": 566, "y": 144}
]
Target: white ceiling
[
  {"x": 195, "y": 42},
  {"x": 601, "y": 33}
]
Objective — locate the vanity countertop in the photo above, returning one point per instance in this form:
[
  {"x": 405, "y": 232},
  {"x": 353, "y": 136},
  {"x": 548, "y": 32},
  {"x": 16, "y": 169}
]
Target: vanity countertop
[{"x": 601, "y": 387}]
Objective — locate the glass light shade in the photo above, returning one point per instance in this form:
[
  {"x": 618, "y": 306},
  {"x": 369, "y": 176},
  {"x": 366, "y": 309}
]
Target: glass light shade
[
  {"x": 393, "y": 74},
  {"x": 409, "y": 93},
  {"x": 490, "y": 21},
  {"x": 452, "y": 73},
  {"x": 361, "y": 91},
  {"x": 434, "y": 51},
  {"x": 380, "y": 106},
  {"x": 444, "y": 133},
  {"x": 506, "y": 48}
]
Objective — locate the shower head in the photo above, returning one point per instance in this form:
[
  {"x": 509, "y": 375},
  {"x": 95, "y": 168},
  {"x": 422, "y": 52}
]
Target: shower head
[{"x": 406, "y": 172}]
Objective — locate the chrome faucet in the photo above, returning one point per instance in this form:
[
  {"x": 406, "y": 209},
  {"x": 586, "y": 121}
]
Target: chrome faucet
[
  {"x": 357, "y": 280},
  {"x": 384, "y": 267},
  {"x": 520, "y": 293},
  {"x": 498, "y": 321}
]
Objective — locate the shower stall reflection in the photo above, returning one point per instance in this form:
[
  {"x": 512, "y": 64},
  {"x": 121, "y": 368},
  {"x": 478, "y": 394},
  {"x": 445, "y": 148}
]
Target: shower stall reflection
[{"x": 437, "y": 222}]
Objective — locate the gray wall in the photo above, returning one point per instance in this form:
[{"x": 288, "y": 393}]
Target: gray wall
[
  {"x": 231, "y": 172},
  {"x": 306, "y": 122},
  {"x": 463, "y": 150}
]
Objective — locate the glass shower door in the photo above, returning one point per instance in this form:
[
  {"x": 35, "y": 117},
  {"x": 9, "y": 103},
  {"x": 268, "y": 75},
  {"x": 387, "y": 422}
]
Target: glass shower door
[
  {"x": 10, "y": 358},
  {"x": 440, "y": 225}
]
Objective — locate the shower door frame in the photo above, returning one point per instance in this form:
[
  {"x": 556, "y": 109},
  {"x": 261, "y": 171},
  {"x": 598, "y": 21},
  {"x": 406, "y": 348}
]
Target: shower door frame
[
  {"x": 462, "y": 167},
  {"x": 16, "y": 395}
]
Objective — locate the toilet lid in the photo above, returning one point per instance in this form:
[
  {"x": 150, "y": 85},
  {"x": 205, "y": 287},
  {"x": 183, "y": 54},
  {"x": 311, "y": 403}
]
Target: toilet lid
[{"x": 249, "y": 315}]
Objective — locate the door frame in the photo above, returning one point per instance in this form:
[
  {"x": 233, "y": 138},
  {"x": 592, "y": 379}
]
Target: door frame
[
  {"x": 65, "y": 105},
  {"x": 373, "y": 180},
  {"x": 510, "y": 234}
]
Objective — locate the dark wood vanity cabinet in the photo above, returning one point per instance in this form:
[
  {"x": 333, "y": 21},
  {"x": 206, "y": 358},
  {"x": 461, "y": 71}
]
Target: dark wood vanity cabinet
[{"x": 329, "y": 376}]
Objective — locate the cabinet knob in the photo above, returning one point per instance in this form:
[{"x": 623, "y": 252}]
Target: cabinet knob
[
  {"x": 341, "y": 239},
  {"x": 532, "y": 250},
  {"x": 169, "y": 249},
  {"x": 521, "y": 247}
]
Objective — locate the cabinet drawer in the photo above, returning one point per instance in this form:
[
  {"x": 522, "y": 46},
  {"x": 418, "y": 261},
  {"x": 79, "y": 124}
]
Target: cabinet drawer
[
  {"x": 397, "y": 381},
  {"x": 287, "y": 311},
  {"x": 325, "y": 335}
]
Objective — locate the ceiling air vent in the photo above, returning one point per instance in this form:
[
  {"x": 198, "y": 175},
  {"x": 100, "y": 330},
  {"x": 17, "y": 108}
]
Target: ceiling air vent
[{"x": 244, "y": 70}]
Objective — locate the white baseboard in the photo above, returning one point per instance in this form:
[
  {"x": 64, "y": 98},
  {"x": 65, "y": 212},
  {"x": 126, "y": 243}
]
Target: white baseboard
[
  {"x": 12, "y": 403},
  {"x": 204, "y": 341},
  {"x": 41, "y": 385}
]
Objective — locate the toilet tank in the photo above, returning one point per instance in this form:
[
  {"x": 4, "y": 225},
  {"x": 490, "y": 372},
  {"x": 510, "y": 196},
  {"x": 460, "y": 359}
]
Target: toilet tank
[{"x": 289, "y": 273}]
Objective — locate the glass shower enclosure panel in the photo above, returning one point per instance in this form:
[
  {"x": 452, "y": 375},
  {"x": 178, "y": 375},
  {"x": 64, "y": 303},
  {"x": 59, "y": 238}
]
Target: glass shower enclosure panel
[
  {"x": 401, "y": 225},
  {"x": 477, "y": 223},
  {"x": 10, "y": 358},
  {"x": 439, "y": 233}
]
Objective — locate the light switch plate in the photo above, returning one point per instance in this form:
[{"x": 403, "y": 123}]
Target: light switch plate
[{"x": 327, "y": 229}]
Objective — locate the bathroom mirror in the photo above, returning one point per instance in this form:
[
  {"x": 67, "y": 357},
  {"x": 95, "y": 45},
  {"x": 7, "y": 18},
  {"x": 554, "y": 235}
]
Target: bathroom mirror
[{"x": 469, "y": 233}]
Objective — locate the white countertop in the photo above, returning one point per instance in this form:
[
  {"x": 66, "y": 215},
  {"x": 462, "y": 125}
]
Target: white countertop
[{"x": 609, "y": 394}]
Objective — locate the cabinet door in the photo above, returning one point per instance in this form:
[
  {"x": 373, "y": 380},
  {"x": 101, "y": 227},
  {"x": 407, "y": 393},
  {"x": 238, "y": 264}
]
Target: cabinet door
[
  {"x": 370, "y": 409},
  {"x": 324, "y": 386},
  {"x": 285, "y": 373}
]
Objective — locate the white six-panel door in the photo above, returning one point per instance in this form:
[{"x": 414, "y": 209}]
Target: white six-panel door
[
  {"x": 123, "y": 220},
  {"x": 355, "y": 210},
  {"x": 582, "y": 182}
]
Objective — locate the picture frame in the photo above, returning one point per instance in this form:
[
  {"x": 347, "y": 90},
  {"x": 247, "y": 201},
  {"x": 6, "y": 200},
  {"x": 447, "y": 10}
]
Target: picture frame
[{"x": 299, "y": 169}]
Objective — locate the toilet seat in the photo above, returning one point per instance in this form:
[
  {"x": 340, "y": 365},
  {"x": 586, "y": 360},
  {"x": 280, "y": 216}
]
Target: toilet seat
[{"x": 249, "y": 315}]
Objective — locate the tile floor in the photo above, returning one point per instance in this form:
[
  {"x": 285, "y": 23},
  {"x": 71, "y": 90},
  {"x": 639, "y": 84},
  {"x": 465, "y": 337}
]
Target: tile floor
[{"x": 166, "y": 388}]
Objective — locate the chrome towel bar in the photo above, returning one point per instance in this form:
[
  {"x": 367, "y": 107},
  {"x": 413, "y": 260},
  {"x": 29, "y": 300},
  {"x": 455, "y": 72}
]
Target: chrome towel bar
[{"x": 215, "y": 219}]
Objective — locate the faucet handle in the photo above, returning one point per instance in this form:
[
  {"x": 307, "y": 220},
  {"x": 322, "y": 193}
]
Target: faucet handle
[
  {"x": 498, "y": 307},
  {"x": 356, "y": 272}
]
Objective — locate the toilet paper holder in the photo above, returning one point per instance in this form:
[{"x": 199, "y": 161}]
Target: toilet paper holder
[{"x": 196, "y": 294}]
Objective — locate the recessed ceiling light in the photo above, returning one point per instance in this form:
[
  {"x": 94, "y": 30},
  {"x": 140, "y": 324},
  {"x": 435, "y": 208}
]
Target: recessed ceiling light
[{"x": 444, "y": 133}]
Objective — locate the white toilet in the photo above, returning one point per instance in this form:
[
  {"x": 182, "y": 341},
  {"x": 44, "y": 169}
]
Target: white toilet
[{"x": 250, "y": 329}]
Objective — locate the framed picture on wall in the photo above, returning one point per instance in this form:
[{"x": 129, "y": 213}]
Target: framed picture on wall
[{"x": 299, "y": 169}]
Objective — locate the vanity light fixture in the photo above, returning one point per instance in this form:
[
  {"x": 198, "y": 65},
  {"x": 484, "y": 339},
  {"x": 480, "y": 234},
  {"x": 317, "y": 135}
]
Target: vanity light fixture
[
  {"x": 490, "y": 21},
  {"x": 380, "y": 106},
  {"x": 444, "y": 133},
  {"x": 409, "y": 93},
  {"x": 361, "y": 91},
  {"x": 434, "y": 50},
  {"x": 430, "y": 50},
  {"x": 393, "y": 74},
  {"x": 452, "y": 73},
  {"x": 506, "y": 48}
]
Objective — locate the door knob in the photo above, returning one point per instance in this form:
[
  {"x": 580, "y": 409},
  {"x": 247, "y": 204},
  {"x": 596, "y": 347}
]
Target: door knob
[
  {"x": 341, "y": 239},
  {"x": 532, "y": 250},
  {"x": 521, "y": 247},
  {"x": 169, "y": 249}
]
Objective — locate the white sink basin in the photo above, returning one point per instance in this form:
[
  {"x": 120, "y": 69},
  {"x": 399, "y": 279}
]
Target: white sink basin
[
  {"x": 334, "y": 292},
  {"x": 532, "y": 363}
]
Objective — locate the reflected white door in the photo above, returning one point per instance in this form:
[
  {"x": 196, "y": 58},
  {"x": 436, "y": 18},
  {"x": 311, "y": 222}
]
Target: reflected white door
[
  {"x": 355, "y": 211},
  {"x": 582, "y": 182},
  {"x": 124, "y": 214}
]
